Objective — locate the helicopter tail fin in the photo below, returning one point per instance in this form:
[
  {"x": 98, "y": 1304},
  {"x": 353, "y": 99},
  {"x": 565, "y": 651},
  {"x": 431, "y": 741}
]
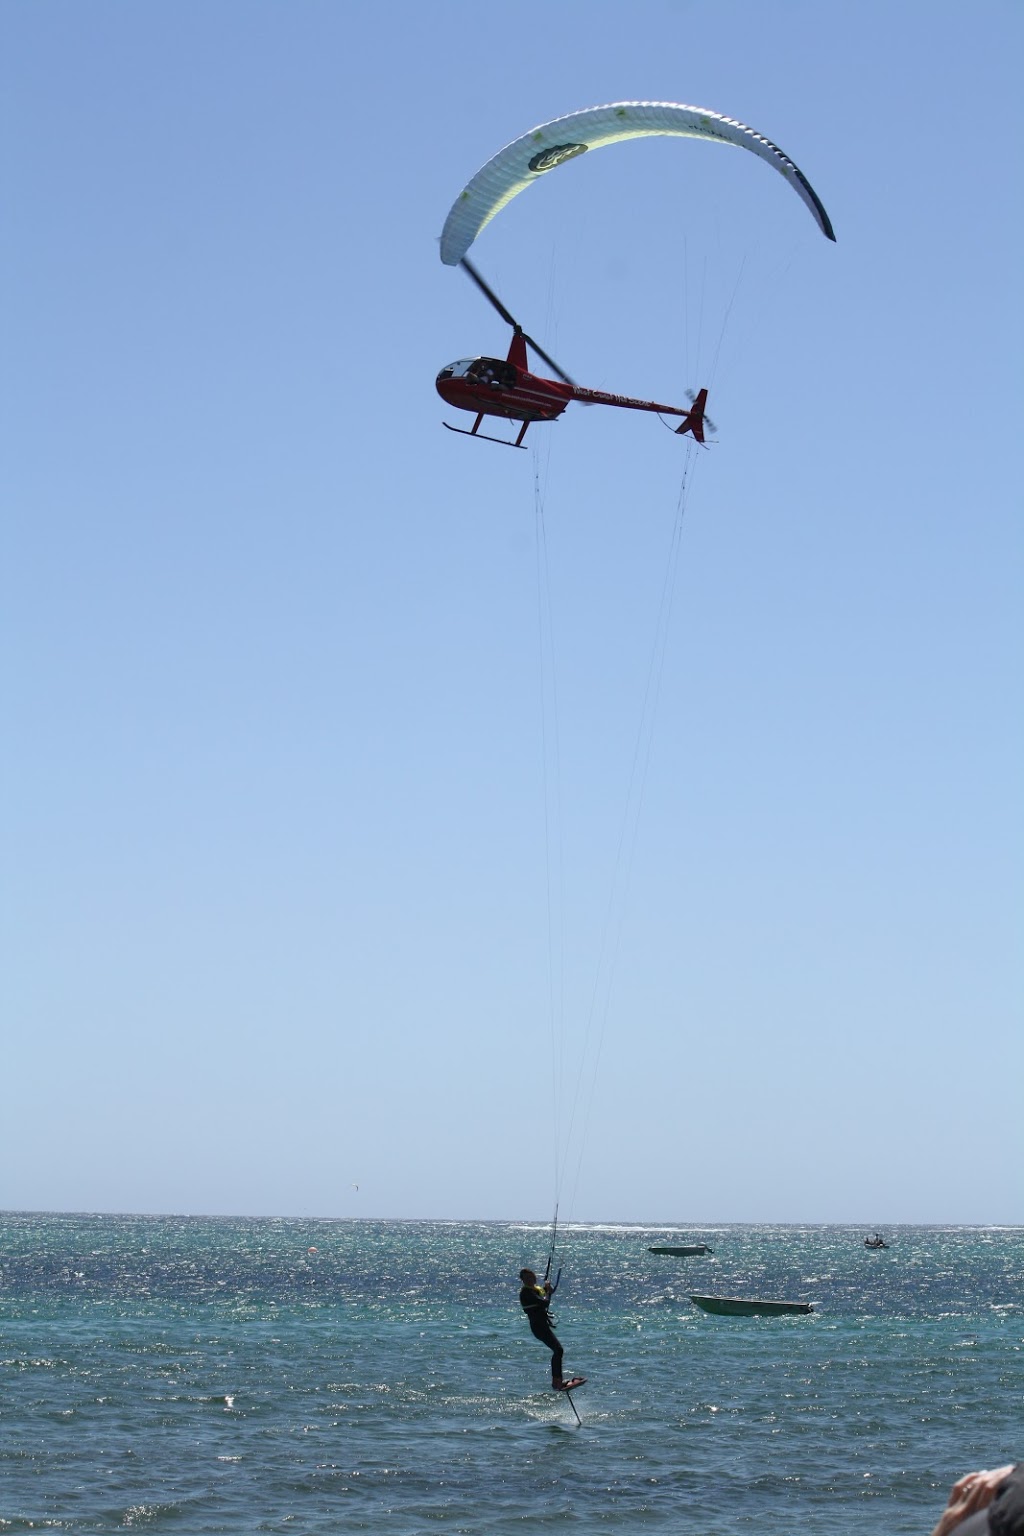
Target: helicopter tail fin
[{"x": 693, "y": 421}]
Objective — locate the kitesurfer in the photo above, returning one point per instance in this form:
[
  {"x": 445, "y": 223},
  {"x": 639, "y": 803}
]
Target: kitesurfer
[{"x": 534, "y": 1299}]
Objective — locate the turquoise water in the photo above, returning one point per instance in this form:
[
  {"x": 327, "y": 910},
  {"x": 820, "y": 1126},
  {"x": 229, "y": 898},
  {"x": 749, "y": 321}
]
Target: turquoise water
[{"x": 172, "y": 1374}]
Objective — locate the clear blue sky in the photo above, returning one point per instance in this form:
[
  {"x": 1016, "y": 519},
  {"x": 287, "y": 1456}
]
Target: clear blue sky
[{"x": 275, "y": 919}]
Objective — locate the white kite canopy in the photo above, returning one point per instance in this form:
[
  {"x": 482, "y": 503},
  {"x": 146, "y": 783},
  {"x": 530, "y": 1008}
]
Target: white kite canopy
[{"x": 542, "y": 149}]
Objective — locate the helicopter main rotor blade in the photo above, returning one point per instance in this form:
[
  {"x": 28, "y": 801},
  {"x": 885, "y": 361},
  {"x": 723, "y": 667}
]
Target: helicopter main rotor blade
[
  {"x": 510, "y": 319},
  {"x": 489, "y": 294},
  {"x": 550, "y": 361}
]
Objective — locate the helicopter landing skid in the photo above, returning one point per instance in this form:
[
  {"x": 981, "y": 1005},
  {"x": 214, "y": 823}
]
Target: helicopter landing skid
[{"x": 502, "y": 442}]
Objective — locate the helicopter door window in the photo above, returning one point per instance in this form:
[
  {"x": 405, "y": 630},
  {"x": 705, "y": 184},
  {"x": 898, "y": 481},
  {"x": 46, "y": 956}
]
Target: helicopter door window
[{"x": 492, "y": 370}]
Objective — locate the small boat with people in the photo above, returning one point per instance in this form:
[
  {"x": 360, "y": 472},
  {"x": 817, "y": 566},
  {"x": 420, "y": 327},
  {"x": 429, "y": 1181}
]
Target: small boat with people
[
  {"x": 875, "y": 1241},
  {"x": 685, "y": 1251},
  {"x": 738, "y": 1306}
]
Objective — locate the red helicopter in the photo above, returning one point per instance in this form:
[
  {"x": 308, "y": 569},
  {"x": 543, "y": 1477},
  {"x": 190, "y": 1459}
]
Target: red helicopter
[{"x": 492, "y": 386}]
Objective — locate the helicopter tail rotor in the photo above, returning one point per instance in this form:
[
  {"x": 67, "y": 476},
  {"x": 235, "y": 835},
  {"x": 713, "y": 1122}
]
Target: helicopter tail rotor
[
  {"x": 695, "y": 421},
  {"x": 692, "y": 396}
]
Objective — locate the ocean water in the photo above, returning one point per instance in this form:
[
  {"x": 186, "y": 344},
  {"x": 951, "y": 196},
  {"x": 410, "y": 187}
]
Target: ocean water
[{"x": 194, "y": 1375}]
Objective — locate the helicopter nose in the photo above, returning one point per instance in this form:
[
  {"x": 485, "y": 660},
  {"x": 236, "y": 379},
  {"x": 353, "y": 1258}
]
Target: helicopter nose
[{"x": 447, "y": 386}]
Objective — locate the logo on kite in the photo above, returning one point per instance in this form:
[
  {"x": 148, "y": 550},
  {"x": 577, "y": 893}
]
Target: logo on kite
[{"x": 558, "y": 154}]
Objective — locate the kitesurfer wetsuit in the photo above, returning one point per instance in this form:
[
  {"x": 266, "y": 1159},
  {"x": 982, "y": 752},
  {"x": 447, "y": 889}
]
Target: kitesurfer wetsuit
[{"x": 534, "y": 1301}]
